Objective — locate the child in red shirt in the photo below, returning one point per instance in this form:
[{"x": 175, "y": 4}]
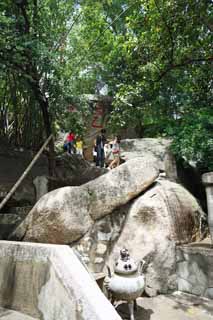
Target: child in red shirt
[{"x": 70, "y": 142}]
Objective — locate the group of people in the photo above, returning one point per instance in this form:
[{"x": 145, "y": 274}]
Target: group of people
[
  {"x": 106, "y": 153},
  {"x": 73, "y": 144}
]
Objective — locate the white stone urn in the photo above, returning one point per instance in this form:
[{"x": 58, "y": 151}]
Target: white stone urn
[
  {"x": 207, "y": 179},
  {"x": 127, "y": 282}
]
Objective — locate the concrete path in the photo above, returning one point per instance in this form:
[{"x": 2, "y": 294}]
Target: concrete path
[
  {"x": 6, "y": 314},
  {"x": 178, "y": 306}
]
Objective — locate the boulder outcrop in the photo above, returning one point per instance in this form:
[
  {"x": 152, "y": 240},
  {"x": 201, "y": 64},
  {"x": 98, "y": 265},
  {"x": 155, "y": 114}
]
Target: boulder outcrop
[
  {"x": 114, "y": 211},
  {"x": 66, "y": 214},
  {"x": 166, "y": 215},
  {"x": 154, "y": 149}
]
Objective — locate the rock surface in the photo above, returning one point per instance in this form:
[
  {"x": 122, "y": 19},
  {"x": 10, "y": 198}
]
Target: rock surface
[
  {"x": 120, "y": 185},
  {"x": 155, "y": 149},
  {"x": 66, "y": 214},
  {"x": 95, "y": 246},
  {"x": 164, "y": 216}
]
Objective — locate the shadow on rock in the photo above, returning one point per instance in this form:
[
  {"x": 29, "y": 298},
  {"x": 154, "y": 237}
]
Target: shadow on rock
[{"x": 141, "y": 313}]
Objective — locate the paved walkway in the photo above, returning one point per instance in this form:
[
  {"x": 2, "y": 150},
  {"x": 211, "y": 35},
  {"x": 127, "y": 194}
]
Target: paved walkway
[
  {"x": 172, "y": 307},
  {"x": 6, "y": 314}
]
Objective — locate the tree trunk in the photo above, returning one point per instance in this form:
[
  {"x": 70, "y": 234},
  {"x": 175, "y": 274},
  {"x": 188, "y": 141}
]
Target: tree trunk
[
  {"x": 31, "y": 69},
  {"x": 44, "y": 105}
]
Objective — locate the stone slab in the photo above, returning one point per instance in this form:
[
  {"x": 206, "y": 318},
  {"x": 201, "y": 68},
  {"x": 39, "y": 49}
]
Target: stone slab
[
  {"x": 49, "y": 282},
  {"x": 6, "y": 314}
]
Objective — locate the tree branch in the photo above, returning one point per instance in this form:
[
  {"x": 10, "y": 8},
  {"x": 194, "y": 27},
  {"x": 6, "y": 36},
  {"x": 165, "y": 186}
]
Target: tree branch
[
  {"x": 169, "y": 32},
  {"x": 183, "y": 64},
  {"x": 22, "y": 6}
]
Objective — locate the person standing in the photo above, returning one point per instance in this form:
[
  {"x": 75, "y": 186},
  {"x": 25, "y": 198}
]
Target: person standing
[
  {"x": 116, "y": 153},
  {"x": 70, "y": 142},
  {"x": 100, "y": 142},
  {"x": 79, "y": 146}
]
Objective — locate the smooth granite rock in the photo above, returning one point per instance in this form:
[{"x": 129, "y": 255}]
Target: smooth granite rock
[
  {"x": 66, "y": 214},
  {"x": 156, "y": 149},
  {"x": 166, "y": 215}
]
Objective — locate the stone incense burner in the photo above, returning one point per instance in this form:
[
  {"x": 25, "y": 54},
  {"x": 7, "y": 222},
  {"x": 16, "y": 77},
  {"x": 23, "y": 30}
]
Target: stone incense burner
[{"x": 127, "y": 283}]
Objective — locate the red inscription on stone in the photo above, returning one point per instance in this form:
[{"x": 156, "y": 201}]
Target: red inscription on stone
[{"x": 97, "y": 118}]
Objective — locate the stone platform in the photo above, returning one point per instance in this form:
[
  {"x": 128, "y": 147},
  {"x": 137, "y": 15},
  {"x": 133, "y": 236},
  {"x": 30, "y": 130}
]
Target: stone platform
[
  {"x": 195, "y": 269},
  {"x": 177, "y": 306}
]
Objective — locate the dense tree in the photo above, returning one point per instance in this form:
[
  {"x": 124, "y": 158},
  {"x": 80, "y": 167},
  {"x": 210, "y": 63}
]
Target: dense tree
[
  {"x": 154, "y": 56},
  {"x": 33, "y": 34}
]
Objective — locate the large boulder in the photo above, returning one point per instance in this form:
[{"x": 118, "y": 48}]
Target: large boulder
[
  {"x": 166, "y": 215},
  {"x": 155, "y": 149},
  {"x": 120, "y": 185},
  {"x": 60, "y": 216},
  {"x": 66, "y": 214}
]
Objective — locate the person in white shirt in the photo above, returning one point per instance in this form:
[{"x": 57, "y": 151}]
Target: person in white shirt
[{"x": 116, "y": 153}]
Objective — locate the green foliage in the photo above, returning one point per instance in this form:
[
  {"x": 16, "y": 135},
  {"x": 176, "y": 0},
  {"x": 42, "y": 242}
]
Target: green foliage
[
  {"x": 74, "y": 118},
  {"x": 157, "y": 62},
  {"x": 193, "y": 139},
  {"x": 154, "y": 55},
  {"x": 33, "y": 71}
]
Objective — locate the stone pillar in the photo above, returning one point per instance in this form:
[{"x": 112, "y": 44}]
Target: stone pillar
[
  {"x": 41, "y": 186},
  {"x": 207, "y": 179}
]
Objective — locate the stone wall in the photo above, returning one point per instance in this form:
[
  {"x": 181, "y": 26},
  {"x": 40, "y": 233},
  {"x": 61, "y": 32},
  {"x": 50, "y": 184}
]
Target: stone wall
[
  {"x": 96, "y": 245},
  {"x": 194, "y": 269},
  {"x": 48, "y": 282}
]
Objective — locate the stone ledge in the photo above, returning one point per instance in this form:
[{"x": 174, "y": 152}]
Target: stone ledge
[
  {"x": 36, "y": 276},
  {"x": 194, "y": 269},
  {"x": 204, "y": 249}
]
